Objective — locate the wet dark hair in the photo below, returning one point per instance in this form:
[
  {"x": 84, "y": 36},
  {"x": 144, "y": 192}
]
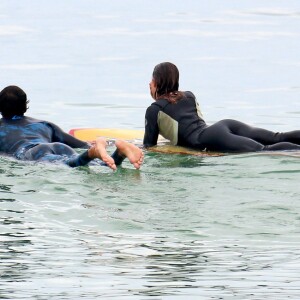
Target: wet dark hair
[
  {"x": 166, "y": 77},
  {"x": 13, "y": 102}
]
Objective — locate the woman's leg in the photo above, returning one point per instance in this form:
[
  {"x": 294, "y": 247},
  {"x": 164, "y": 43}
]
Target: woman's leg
[
  {"x": 235, "y": 136},
  {"x": 263, "y": 136},
  {"x": 218, "y": 137}
]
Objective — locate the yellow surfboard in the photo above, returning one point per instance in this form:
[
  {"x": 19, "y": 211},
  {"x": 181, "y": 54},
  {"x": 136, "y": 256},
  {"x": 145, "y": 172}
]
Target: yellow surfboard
[
  {"x": 90, "y": 134},
  {"x": 136, "y": 136}
]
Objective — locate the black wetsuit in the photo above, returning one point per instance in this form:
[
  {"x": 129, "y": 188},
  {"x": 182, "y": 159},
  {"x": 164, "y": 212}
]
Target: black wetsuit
[
  {"x": 26, "y": 138},
  {"x": 183, "y": 125}
]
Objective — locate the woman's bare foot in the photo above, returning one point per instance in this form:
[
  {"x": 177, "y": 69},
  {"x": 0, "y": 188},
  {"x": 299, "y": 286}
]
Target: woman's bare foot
[
  {"x": 98, "y": 150},
  {"x": 134, "y": 154}
]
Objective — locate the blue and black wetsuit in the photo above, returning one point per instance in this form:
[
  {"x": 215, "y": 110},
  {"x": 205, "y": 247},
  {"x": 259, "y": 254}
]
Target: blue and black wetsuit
[
  {"x": 26, "y": 138},
  {"x": 182, "y": 123}
]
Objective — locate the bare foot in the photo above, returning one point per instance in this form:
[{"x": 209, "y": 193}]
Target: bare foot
[
  {"x": 134, "y": 154},
  {"x": 98, "y": 150}
]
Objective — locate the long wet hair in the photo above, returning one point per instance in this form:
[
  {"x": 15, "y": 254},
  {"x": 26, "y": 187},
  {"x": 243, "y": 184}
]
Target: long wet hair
[
  {"x": 13, "y": 102},
  {"x": 166, "y": 77}
]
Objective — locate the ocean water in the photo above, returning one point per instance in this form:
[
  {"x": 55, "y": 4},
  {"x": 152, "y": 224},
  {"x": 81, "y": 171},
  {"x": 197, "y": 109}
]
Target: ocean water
[{"x": 182, "y": 227}]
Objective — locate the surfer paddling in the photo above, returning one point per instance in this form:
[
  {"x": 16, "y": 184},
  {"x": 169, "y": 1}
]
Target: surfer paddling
[{"x": 26, "y": 138}]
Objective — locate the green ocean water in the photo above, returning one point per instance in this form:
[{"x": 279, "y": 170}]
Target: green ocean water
[{"x": 182, "y": 227}]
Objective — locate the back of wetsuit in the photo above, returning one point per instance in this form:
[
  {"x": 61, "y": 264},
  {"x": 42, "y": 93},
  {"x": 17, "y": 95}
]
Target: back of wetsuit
[
  {"x": 181, "y": 123},
  {"x": 22, "y": 133}
]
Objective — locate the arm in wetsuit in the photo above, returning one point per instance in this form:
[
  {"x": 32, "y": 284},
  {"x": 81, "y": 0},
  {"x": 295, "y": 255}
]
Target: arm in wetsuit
[
  {"x": 151, "y": 126},
  {"x": 60, "y": 136}
]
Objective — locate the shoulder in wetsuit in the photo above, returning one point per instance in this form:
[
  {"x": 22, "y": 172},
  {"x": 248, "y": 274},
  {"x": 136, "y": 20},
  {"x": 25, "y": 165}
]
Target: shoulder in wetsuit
[
  {"x": 22, "y": 133},
  {"x": 181, "y": 123}
]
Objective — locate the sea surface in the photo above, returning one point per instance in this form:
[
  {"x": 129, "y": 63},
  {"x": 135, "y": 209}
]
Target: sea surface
[{"x": 182, "y": 227}]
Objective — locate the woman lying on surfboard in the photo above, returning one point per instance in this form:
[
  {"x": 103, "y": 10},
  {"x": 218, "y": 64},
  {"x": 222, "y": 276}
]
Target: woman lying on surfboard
[
  {"x": 26, "y": 138},
  {"x": 177, "y": 117}
]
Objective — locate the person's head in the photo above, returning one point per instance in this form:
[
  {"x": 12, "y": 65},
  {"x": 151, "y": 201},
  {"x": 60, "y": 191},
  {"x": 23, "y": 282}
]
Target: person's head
[
  {"x": 13, "y": 102},
  {"x": 165, "y": 82}
]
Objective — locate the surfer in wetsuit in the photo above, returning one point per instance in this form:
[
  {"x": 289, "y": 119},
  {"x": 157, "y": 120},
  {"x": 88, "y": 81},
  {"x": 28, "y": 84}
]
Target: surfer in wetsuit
[
  {"x": 26, "y": 138},
  {"x": 177, "y": 117}
]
